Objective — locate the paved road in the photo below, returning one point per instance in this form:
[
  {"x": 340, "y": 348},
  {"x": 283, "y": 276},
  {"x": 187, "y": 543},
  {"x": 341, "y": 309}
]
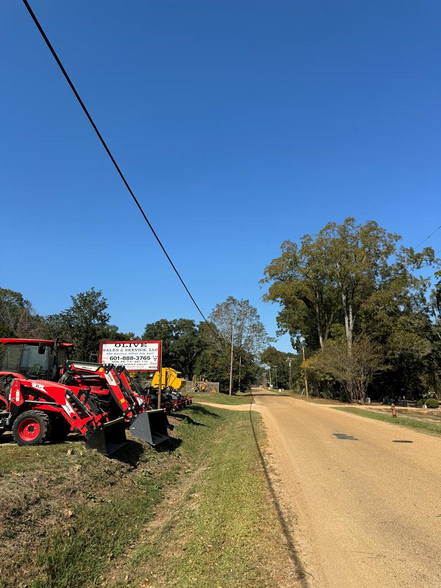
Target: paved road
[{"x": 363, "y": 510}]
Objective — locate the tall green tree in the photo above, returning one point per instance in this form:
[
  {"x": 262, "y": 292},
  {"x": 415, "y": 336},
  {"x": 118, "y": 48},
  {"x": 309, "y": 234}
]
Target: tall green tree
[
  {"x": 182, "y": 343},
  {"x": 300, "y": 283},
  {"x": 85, "y": 323},
  {"x": 336, "y": 275},
  {"x": 353, "y": 280}
]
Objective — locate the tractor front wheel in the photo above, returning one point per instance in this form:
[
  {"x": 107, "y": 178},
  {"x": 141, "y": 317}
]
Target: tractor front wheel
[{"x": 31, "y": 428}]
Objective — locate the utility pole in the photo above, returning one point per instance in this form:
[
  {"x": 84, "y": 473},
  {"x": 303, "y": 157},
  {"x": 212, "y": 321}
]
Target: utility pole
[
  {"x": 304, "y": 372},
  {"x": 290, "y": 362},
  {"x": 231, "y": 360}
]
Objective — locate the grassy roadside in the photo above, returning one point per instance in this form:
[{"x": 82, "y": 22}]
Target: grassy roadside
[
  {"x": 197, "y": 513},
  {"x": 68, "y": 511},
  {"x": 218, "y": 398},
  {"x": 223, "y": 530},
  {"x": 431, "y": 428}
]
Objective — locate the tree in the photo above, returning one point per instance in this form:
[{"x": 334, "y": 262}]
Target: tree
[
  {"x": 334, "y": 277},
  {"x": 354, "y": 371},
  {"x": 214, "y": 365},
  {"x": 279, "y": 364},
  {"x": 353, "y": 280},
  {"x": 242, "y": 317},
  {"x": 17, "y": 317},
  {"x": 84, "y": 324},
  {"x": 238, "y": 321},
  {"x": 300, "y": 283},
  {"x": 182, "y": 343}
]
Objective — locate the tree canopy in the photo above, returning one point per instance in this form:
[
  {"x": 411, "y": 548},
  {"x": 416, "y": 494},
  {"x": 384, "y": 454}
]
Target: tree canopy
[
  {"x": 85, "y": 323},
  {"x": 182, "y": 343},
  {"x": 354, "y": 280}
]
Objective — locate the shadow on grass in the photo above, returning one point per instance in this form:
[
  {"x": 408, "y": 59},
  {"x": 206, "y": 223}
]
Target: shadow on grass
[
  {"x": 201, "y": 410},
  {"x": 130, "y": 453},
  {"x": 169, "y": 446},
  {"x": 298, "y": 566},
  {"x": 188, "y": 419}
]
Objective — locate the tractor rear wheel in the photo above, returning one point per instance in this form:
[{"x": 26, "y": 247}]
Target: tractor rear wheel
[{"x": 31, "y": 428}]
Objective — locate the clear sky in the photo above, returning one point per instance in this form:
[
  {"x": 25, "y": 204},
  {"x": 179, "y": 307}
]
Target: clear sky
[{"x": 239, "y": 124}]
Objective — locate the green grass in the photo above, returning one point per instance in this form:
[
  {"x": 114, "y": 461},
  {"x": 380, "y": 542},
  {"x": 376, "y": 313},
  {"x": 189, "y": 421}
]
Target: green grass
[
  {"x": 218, "y": 398},
  {"x": 417, "y": 425},
  {"x": 67, "y": 512},
  {"x": 103, "y": 529},
  {"x": 15, "y": 459},
  {"x": 224, "y": 531}
]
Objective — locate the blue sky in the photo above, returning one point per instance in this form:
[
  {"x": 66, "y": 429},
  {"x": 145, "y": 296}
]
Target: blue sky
[{"x": 238, "y": 124}]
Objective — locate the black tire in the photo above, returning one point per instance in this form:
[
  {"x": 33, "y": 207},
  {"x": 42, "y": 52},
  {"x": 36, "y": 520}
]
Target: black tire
[
  {"x": 31, "y": 427},
  {"x": 60, "y": 429}
]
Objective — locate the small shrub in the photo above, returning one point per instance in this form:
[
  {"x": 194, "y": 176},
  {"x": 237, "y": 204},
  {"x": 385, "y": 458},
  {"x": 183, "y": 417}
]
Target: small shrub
[{"x": 429, "y": 402}]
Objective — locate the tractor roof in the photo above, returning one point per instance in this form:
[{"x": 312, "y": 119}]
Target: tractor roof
[{"x": 36, "y": 342}]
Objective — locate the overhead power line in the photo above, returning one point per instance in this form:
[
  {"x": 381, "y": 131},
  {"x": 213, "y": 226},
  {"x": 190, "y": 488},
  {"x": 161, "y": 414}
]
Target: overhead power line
[
  {"x": 428, "y": 237},
  {"x": 104, "y": 144}
]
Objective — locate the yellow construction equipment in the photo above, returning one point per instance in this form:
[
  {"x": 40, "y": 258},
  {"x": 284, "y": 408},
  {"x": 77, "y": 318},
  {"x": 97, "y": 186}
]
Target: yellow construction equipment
[
  {"x": 199, "y": 385},
  {"x": 170, "y": 379}
]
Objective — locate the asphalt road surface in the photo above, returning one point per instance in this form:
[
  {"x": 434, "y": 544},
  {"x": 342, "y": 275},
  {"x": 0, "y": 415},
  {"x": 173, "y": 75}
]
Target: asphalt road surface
[{"x": 361, "y": 509}]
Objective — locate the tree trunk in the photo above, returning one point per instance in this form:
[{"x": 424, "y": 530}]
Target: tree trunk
[
  {"x": 240, "y": 370},
  {"x": 320, "y": 337},
  {"x": 349, "y": 321}
]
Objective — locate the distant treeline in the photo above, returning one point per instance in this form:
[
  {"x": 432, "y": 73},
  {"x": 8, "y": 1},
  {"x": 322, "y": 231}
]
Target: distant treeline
[
  {"x": 201, "y": 350},
  {"x": 362, "y": 309}
]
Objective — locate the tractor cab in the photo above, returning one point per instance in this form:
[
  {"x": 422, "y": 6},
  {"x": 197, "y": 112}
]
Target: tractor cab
[{"x": 34, "y": 358}]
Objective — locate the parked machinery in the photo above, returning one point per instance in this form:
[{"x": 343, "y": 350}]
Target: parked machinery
[
  {"x": 111, "y": 389},
  {"x": 171, "y": 383},
  {"x": 104, "y": 392},
  {"x": 39, "y": 410}
]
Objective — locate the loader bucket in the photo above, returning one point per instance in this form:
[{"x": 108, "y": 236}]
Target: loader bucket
[
  {"x": 151, "y": 426},
  {"x": 109, "y": 438}
]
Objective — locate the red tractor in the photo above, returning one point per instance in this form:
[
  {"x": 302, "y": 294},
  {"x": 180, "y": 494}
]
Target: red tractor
[
  {"x": 35, "y": 358},
  {"x": 38, "y": 410},
  {"x": 111, "y": 389},
  {"x": 102, "y": 396}
]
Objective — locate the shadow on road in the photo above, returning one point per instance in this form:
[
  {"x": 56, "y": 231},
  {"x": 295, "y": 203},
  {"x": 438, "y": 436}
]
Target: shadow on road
[{"x": 298, "y": 566}]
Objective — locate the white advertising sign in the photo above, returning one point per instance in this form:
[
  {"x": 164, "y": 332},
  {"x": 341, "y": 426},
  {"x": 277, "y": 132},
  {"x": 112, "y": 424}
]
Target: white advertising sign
[{"x": 134, "y": 355}]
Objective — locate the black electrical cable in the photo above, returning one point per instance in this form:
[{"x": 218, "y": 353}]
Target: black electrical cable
[
  {"x": 428, "y": 237},
  {"x": 95, "y": 128}
]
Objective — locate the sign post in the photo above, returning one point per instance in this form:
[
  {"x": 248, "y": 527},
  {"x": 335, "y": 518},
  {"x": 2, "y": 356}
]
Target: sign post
[{"x": 160, "y": 377}]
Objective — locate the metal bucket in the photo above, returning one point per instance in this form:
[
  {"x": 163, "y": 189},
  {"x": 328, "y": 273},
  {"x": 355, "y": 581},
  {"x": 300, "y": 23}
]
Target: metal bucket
[
  {"x": 109, "y": 438},
  {"x": 151, "y": 426}
]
